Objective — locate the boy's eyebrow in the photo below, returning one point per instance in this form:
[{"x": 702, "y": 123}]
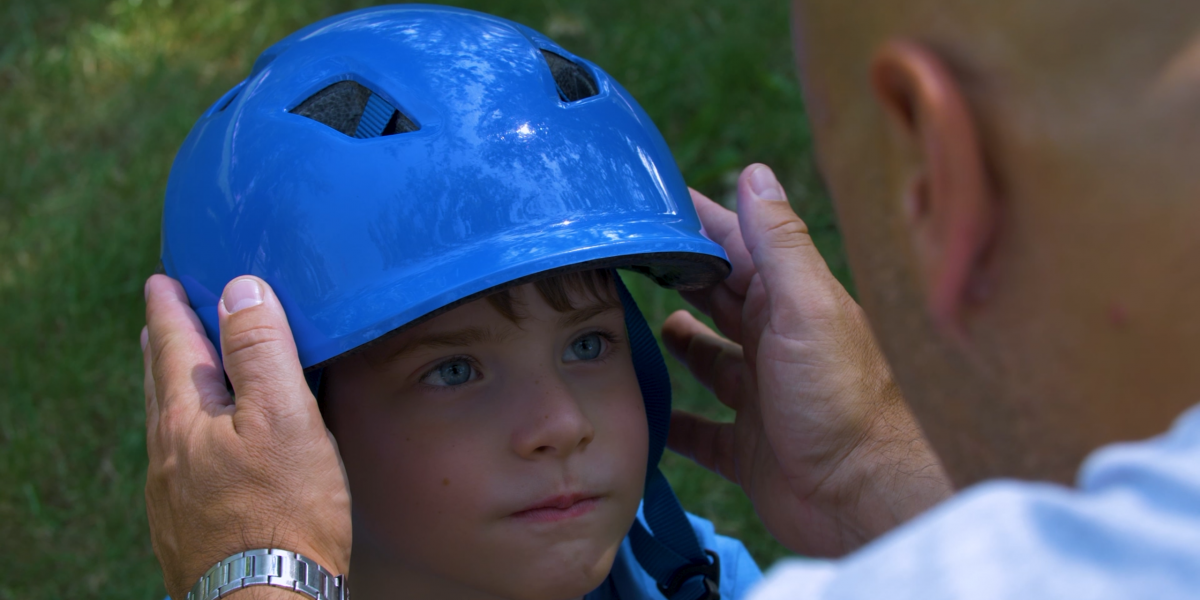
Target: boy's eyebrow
[
  {"x": 449, "y": 339},
  {"x": 475, "y": 335},
  {"x": 585, "y": 313}
]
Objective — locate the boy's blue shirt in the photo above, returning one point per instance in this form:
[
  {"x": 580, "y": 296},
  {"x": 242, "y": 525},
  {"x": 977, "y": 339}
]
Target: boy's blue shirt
[{"x": 628, "y": 581}]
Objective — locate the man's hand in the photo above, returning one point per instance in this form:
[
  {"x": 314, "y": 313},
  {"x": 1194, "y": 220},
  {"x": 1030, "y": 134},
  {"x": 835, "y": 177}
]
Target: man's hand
[
  {"x": 823, "y": 443},
  {"x": 226, "y": 477}
]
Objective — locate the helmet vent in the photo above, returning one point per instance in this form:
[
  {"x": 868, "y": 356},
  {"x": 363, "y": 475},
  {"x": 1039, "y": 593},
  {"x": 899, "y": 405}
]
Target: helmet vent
[
  {"x": 356, "y": 111},
  {"x": 574, "y": 82}
]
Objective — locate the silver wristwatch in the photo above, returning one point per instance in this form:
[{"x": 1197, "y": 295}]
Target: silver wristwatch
[{"x": 279, "y": 568}]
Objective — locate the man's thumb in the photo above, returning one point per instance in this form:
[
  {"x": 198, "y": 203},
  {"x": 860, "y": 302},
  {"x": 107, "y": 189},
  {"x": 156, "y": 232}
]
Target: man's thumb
[
  {"x": 778, "y": 241},
  {"x": 258, "y": 349}
]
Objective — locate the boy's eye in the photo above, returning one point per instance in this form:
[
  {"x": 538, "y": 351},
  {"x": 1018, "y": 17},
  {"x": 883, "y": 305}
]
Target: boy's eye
[
  {"x": 452, "y": 372},
  {"x": 585, "y": 347}
]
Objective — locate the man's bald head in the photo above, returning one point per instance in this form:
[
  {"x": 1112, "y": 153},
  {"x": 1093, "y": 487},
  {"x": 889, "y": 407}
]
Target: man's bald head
[
  {"x": 1018, "y": 188},
  {"x": 1060, "y": 56}
]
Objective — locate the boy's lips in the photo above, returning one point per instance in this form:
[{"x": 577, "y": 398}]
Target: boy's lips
[{"x": 557, "y": 508}]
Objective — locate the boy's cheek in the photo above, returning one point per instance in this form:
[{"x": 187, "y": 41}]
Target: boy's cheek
[
  {"x": 623, "y": 442},
  {"x": 425, "y": 505},
  {"x": 620, "y": 416},
  {"x": 407, "y": 472}
]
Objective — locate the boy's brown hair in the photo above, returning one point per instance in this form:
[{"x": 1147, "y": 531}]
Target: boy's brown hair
[{"x": 556, "y": 290}]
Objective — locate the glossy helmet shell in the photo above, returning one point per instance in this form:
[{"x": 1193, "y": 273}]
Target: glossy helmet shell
[{"x": 497, "y": 174}]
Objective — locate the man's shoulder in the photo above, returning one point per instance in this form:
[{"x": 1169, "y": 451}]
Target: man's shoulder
[{"x": 1129, "y": 529}]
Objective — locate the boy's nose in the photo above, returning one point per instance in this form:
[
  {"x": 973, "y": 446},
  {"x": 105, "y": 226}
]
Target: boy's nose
[{"x": 552, "y": 421}]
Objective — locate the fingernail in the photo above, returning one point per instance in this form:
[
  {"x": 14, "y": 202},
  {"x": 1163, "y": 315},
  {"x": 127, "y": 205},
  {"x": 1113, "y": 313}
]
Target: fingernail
[
  {"x": 145, "y": 336},
  {"x": 764, "y": 185},
  {"x": 243, "y": 293}
]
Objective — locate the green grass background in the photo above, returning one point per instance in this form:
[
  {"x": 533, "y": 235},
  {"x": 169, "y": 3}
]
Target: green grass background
[{"x": 95, "y": 98}]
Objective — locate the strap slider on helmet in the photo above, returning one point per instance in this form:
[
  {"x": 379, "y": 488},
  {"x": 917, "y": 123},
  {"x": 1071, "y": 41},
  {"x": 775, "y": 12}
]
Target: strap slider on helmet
[{"x": 711, "y": 573}]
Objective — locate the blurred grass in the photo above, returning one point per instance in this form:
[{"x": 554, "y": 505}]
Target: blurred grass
[{"x": 96, "y": 96}]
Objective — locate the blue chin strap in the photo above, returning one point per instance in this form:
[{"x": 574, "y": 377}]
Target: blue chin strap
[
  {"x": 671, "y": 554},
  {"x": 669, "y": 550}
]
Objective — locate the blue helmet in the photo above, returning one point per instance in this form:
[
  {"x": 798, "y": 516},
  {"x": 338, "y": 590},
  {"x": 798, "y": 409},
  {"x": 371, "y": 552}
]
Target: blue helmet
[{"x": 382, "y": 166}]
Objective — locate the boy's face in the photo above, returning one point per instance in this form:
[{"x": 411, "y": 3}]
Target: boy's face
[{"x": 491, "y": 458}]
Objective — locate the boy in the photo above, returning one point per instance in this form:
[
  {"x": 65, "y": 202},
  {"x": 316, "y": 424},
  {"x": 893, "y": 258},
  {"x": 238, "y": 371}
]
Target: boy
[
  {"x": 499, "y": 449},
  {"x": 438, "y": 198}
]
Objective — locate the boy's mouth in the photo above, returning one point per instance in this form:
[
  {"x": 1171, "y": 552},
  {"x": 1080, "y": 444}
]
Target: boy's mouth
[{"x": 558, "y": 508}]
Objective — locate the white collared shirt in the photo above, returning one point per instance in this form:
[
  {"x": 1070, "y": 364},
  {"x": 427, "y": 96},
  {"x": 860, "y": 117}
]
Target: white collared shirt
[{"x": 1130, "y": 529}]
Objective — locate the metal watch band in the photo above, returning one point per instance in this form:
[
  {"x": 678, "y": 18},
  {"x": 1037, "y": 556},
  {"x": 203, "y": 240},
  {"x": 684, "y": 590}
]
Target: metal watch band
[{"x": 279, "y": 568}]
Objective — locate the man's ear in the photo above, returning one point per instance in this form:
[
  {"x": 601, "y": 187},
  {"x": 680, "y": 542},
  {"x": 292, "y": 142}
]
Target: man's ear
[{"x": 950, "y": 204}]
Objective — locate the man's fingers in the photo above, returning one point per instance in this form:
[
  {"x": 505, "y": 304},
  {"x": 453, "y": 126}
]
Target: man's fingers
[
  {"x": 148, "y": 382},
  {"x": 708, "y": 443},
  {"x": 719, "y": 222},
  {"x": 715, "y": 362},
  {"x": 184, "y": 364},
  {"x": 778, "y": 241},
  {"x": 259, "y": 351},
  {"x": 722, "y": 305},
  {"x": 721, "y": 225}
]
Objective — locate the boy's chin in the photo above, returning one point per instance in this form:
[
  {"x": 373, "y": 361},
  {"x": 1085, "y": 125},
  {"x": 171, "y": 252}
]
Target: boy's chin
[
  {"x": 562, "y": 579},
  {"x": 559, "y": 590}
]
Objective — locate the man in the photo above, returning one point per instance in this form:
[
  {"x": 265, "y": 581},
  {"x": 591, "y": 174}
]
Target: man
[{"x": 1016, "y": 186}]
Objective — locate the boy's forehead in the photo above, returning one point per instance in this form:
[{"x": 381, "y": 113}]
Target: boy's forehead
[
  {"x": 476, "y": 316},
  {"x": 479, "y": 321}
]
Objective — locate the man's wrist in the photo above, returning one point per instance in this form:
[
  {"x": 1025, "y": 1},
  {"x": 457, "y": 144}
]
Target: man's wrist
[
  {"x": 892, "y": 474},
  {"x": 900, "y": 478},
  {"x": 282, "y": 569}
]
